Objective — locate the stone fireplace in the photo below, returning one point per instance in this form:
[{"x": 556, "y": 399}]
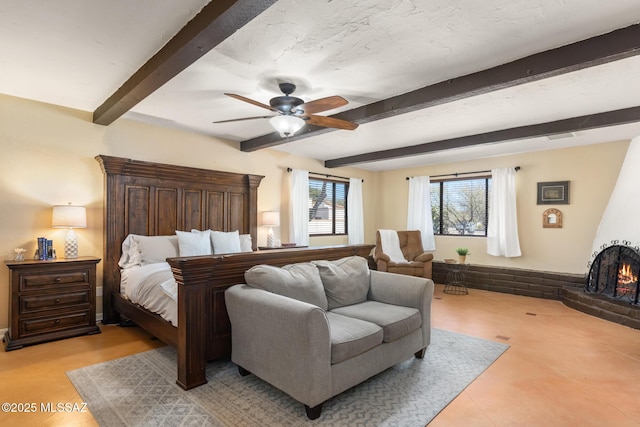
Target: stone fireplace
[{"x": 614, "y": 273}]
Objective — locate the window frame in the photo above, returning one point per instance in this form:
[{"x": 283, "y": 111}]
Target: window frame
[
  {"x": 487, "y": 188},
  {"x": 333, "y": 183}
]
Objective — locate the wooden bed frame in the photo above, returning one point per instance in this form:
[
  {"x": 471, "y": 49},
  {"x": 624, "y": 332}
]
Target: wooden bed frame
[{"x": 158, "y": 199}]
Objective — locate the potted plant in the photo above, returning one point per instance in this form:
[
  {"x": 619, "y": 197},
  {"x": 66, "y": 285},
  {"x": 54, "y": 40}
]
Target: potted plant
[{"x": 462, "y": 254}]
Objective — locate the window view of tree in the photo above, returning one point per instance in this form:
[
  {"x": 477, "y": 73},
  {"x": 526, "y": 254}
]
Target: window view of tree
[
  {"x": 327, "y": 207},
  {"x": 460, "y": 206}
]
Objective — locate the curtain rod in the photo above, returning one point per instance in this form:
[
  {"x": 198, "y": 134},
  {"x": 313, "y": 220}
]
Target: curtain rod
[
  {"x": 325, "y": 175},
  {"x": 517, "y": 168}
]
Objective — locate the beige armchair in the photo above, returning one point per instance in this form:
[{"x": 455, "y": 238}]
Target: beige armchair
[{"x": 418, "y": 261}]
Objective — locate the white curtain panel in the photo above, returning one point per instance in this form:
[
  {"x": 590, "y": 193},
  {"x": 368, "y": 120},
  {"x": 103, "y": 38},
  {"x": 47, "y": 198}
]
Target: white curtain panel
[
  {"x": 299, "y": 209},
  {"x": 502, "y": 232},
  {"x": 419, "y": 212},
  {"x": 356, "y": 212}
]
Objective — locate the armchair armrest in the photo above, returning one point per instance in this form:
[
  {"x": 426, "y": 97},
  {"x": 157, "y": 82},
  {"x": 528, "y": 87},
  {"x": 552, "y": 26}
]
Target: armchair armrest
[
  {"x": 381, "y": 256},
  {"x": 407, "y": 291},
  {"x": 284, "y": 341},
  {"x": 424, "y": 257}
]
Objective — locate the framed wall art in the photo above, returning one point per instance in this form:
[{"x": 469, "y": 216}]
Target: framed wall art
[
  {"x": 553, "y": 193},
  {"x": 552, "y": 218}
]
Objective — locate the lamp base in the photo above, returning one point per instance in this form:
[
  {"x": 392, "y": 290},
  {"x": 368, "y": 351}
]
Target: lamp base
[
  {"x": 270, "y": 243},
  {"x": 71, "y": 245}
]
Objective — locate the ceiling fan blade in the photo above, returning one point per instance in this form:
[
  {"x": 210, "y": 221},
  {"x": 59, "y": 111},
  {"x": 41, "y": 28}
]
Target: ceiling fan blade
[
  {"x": 330, "y": 122},
  {"x": 251, "y": 101},
  {"x": 246, "y": 118},
  {"x": 322, "y": 104}
]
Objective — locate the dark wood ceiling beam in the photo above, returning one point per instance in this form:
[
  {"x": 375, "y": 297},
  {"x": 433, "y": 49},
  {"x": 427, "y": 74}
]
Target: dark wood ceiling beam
[
  {"x": 574, "y": 124},
  {"x": 213, "y": 24},
  {"x": 613, "y": 46}
]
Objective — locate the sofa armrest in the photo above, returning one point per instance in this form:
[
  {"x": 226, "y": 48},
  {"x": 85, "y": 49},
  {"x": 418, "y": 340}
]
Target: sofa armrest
[
  {"x": 284, "y": 341},
  {"x": 407, "y": 291}
]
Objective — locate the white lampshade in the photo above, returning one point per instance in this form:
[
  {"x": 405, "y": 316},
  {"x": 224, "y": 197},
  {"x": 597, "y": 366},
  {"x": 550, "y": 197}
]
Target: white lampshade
[
  {"x": 68, "y": 216},
  {"x": 286, "y": 125},
  {"x": 270, "y": 219}
]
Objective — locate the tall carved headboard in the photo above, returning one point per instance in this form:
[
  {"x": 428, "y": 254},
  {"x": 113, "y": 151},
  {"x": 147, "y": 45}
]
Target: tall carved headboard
[{"x": 158, "y": 199}]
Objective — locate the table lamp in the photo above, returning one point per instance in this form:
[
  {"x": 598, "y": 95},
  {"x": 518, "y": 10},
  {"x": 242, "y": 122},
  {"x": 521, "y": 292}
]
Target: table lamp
[
  {"x": 68, "y": 216},
  {"x": 270, "y": 219}
]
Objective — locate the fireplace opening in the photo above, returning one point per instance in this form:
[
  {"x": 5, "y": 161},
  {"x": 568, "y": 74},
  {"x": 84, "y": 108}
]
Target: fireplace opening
[{"x": 614, "y": 273}]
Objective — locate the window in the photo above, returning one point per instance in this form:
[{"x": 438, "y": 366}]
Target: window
[
  {"x": 460, "y": 206},
  {"x": 327, "y": 207}
]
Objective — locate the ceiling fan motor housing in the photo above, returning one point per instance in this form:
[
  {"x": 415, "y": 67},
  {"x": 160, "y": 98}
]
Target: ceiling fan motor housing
[{"x": 285, "y": 103}]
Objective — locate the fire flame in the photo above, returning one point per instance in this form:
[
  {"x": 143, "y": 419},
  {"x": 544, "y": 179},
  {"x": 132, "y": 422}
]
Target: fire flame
[{"x": 625, "y": 277}]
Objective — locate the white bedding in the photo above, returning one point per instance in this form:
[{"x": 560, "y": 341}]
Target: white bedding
[{"x": 153, "y": 287}]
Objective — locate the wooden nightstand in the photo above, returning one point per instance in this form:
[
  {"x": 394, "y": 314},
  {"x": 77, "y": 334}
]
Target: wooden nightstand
[{"x": 51, "y": 300}]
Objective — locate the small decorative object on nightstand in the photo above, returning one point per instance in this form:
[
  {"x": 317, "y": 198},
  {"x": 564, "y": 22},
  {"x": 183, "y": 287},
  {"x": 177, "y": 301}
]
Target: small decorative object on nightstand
[
  {"x": 19, "y": 254},
  {"x": 51, "y": 300}
]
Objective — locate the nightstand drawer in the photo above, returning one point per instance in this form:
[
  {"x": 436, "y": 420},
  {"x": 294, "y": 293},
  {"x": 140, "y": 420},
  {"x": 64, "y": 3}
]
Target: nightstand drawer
[
  {"x": 37, "y": 281},
  {"x": 36, "y": 303},
  {"x": 41, "y": 325}
]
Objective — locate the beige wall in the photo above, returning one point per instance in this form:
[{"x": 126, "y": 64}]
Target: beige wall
[
  {"x": 592, "y": 172},
  {"x": 48, "y": 158}
]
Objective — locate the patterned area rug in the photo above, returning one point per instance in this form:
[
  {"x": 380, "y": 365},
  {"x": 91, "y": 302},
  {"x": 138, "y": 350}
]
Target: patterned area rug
[{"x": 140, "y": 390}]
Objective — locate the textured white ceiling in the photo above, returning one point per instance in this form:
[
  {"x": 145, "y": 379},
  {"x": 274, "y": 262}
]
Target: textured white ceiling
[{"x": 77, "y": 53}]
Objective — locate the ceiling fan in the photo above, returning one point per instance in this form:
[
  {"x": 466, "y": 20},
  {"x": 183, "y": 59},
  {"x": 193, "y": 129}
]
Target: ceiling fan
[{"x": 293, "y": 112}]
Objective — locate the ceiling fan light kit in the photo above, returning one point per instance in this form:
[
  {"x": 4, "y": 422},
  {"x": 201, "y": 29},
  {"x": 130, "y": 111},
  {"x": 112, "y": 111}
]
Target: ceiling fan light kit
[
  {"x": 286, "y": 125},
  {"x": 293, "y": 112}
]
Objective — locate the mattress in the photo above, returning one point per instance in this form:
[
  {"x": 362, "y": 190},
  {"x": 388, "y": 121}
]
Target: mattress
[{"x": 153, "y": 287}]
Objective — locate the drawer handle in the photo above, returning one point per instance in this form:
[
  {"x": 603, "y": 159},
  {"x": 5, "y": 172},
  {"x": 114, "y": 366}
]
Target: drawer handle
[
  {"x": 57, "y": 300},
  {"x": 58, "y": 279},
  {"x": 57, "y": 321}
]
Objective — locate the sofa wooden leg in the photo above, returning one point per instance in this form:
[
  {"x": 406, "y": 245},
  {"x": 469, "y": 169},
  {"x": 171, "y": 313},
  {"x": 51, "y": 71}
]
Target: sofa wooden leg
[
  {"x": 243, "y": 372},
  {"x": 313, "y": 413},
  {"x": 420, "y": 353}
]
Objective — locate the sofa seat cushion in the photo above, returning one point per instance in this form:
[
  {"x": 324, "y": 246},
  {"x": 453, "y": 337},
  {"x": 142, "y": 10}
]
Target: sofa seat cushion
[
  {"x": 351, "y": 337},
  {"x": 298, "y": 281},
  {"x": 345, "y": 281},
  {"x": 396, "y": 321}
]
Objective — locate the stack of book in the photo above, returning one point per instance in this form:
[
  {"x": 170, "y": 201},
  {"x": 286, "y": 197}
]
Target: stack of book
[{"x": 45, "y": 249}]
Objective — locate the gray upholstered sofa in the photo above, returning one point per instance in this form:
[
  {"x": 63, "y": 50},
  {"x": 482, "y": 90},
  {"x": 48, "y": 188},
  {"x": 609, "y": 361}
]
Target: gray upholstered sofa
[{"x": 314, "y": 330}]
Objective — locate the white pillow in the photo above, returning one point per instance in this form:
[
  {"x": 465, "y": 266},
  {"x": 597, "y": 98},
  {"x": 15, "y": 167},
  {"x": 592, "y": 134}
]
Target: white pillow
[
  {"x": 154, "y": 249},
  {"x": 130, "y": 256},
  {"x": 193, "y": 244},
  {"x": 225, "y": 242},
  {"x": 245, "y": 243}
]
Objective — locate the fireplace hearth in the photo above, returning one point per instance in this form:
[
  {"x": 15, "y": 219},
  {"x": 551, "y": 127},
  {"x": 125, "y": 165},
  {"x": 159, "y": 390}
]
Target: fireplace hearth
[{"x": 614, "y": 273}]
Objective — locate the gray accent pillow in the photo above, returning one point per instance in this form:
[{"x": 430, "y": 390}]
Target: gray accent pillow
[
  {"x": 345, "y": 281},
  {"x": 298, "y": 281}
]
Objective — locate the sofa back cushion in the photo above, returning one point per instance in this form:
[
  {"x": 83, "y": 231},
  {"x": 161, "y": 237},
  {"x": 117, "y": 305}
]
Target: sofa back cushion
[
  {"x": 345, "y": 281},
  {"x": 298, "y": 281}
]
